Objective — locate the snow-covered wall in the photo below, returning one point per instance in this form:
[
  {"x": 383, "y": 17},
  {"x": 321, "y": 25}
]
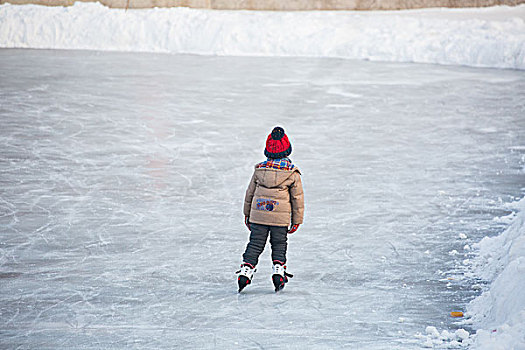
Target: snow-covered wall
[
  {"x": 487, "y": 37},
  {"x": 288, "y": 5}
]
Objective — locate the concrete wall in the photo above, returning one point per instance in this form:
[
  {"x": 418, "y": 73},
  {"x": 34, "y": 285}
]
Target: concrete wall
[{"x": 281, "y": 5}]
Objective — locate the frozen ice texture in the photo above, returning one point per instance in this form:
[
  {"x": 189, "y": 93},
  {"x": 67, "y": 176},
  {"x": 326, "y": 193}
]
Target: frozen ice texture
[{"x": 122, "y": 179}]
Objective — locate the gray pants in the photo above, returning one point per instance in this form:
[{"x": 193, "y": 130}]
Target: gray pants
[{"x": 258, "y": 238}]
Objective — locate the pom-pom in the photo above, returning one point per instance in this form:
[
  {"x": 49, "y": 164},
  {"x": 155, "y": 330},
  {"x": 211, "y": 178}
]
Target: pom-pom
[{"x": 277, "y": 133}]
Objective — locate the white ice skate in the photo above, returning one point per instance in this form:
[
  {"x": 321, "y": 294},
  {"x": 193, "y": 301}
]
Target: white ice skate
[
  {"x": 245, "y": 275},
  {"x": 280, "y": 276}
]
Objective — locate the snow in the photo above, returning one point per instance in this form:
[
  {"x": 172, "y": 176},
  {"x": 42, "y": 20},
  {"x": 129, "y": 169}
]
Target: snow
[
  {"x": 432, "y": 331},
  {"x": 445, "y": 339},
  {"x": 499, "y": 313},
  {"x": 486, "y": 37}
]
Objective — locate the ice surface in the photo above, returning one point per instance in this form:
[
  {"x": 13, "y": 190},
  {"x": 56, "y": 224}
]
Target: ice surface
[{"x": 122, "y": 179}]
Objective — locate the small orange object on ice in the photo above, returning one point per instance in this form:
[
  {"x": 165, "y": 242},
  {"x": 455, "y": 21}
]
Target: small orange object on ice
[{"x": 456, "y": 314}]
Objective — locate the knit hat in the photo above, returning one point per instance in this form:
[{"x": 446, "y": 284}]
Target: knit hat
[{"x": 277, "y": 144}]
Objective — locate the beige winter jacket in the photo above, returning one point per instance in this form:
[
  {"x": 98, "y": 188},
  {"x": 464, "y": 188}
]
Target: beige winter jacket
[{"x": 274, "y": 197}]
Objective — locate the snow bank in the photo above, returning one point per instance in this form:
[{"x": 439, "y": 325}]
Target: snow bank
[
  {"x": 488, "y": 37},
  {"x": 499, "y": 312}
]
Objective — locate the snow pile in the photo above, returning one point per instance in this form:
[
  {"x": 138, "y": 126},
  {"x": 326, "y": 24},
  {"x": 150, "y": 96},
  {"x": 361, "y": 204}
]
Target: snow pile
[
  {"x": 499, "y": 312},
  {"x": 444, "y": 340},
  {"x": 488, "y": 37}
]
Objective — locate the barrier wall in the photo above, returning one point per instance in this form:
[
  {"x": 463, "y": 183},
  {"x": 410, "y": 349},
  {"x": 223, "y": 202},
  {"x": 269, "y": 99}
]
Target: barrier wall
[{"x": 284, "y": 5}]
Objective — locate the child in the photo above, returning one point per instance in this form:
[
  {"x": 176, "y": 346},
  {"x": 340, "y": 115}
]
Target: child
[{"x": 274, "y": 199}]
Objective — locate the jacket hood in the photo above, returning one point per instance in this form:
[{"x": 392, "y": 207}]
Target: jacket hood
[{"x": 272, "y": 177}]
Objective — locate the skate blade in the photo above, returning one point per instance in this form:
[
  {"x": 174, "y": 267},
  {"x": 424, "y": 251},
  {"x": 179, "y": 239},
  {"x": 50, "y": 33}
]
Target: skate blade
[
  {"x": 278, "y": 282},
  {"x": 243, "y": 282}
]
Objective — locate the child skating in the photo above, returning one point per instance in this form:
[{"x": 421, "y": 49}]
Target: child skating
[{"x": 274, "y": 205}]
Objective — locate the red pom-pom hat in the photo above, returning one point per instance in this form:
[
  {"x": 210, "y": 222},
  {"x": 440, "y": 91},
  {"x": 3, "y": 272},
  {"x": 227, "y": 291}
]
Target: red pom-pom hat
[{"x": 277, "y": 144}]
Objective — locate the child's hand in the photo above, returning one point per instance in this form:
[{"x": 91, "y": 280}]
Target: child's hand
[
  {"x": 247, "y": 222},
  {"x": 293, "y": 228}
]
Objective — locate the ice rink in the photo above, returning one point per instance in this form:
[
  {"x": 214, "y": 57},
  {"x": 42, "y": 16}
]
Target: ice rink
[{"x": 122, "y": 177}]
